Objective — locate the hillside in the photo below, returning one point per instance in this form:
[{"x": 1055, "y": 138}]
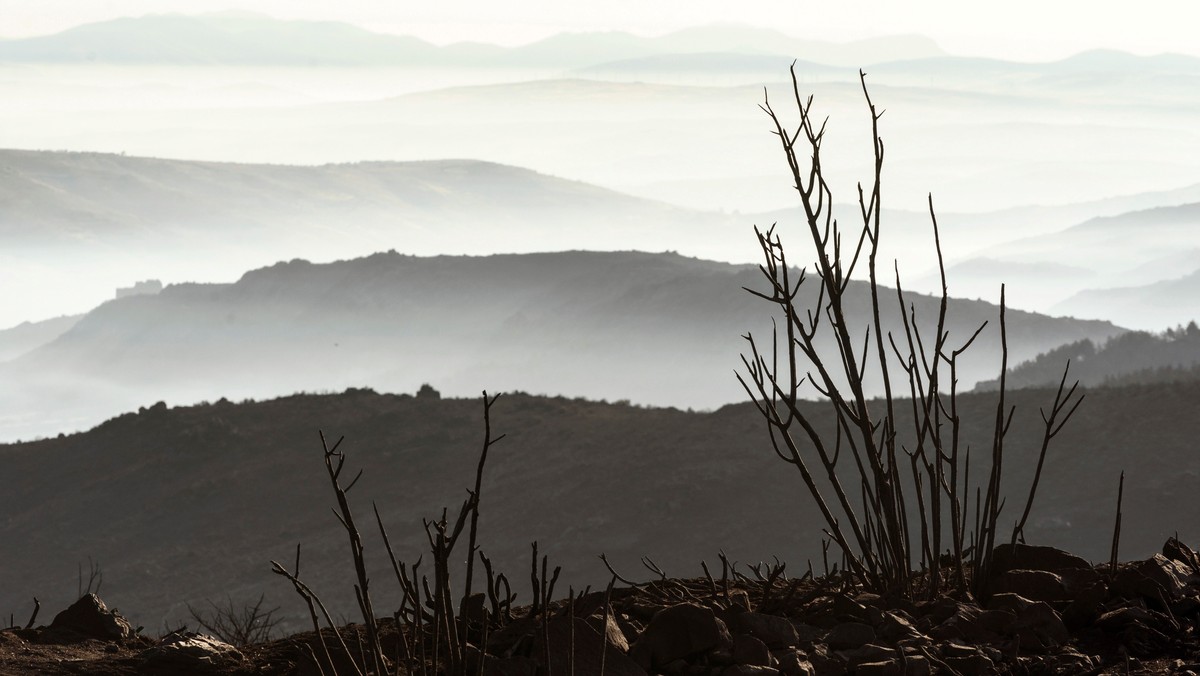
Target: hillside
[
  {"x": 183, "y": 504},
  {"x": 26, "y": 336},
  {"x": 655, "y": 328},
  {"x": 1159, "y": 304},
  {"x": 114, "y": 201},
  {"x": 1136, "y": 357},
  {"x": 77, "y": 225}
]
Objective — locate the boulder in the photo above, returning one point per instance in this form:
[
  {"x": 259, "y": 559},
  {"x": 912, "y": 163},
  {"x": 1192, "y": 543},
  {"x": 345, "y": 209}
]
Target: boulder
[
  {"x": 866, "y": 653},
  {"x": 186, "y": 653},
  {"x": 849, "y": 635},
  {"x": 895, "y": 627},
  {"x": 776, "y": 632},
  {"x": 971, "y": 665},
  {"x": 749, "y": 670},
  {"x": 974, "y": 625},
  {"x": 89, "y": 617},
  {"x": 1177, "y": 551},
  {"x": 794, "y": 663},
  {"x": 1031, "y": 557},
  {"x": 1038, "y": 626},
  {"x": 677, "y": 632},
  {"x": 574, "y": 638},
  {"x": 886, "y": 668},
  {"x": 1035, "y": 585},
  {"x": 750, "y": 651},
  {"x": 1157, "y": 579}
]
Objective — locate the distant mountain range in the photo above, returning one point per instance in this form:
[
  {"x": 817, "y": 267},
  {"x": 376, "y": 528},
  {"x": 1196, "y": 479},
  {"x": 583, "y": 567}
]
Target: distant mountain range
[
  {"x": 241, "y": 39},
  {"x": 659, "y": 329},
  {"x": 180, "y": 505}
]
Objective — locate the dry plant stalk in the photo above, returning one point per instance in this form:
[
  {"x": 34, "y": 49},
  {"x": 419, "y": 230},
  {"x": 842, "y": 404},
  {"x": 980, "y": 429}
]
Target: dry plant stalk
[
  {"x": 425, "y": 612},
  {"x": 860, "y": 473}
]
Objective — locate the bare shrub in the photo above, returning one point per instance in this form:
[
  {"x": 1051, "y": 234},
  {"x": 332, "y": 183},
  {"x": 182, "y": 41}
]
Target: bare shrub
[
  {"x": 240, "y": 626},
  {"x": 890, "y": 499}
]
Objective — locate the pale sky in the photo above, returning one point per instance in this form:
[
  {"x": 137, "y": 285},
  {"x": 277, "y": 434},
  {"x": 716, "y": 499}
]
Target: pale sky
[{"x": 1016, "y": 29}]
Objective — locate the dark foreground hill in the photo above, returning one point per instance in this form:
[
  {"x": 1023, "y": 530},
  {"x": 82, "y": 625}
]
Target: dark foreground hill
[
  {"x": 187, "y": 504},
  {"x": 662, "y": 329}
]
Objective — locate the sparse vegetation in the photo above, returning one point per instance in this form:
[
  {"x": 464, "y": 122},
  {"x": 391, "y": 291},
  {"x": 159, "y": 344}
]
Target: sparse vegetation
[
  {"x": 239, "y": 625},
  {"x": 890, "y": 499}
]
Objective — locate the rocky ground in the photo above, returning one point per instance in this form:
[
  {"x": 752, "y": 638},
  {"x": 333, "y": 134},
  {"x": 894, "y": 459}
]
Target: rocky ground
[{"x": 1048, "y": 613}]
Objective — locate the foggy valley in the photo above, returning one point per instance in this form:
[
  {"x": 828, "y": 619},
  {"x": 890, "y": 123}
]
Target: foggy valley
[{"x": 223, "y": 232}]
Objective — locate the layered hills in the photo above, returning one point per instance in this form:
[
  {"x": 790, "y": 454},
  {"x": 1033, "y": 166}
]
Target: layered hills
[
  {"x": 183, "y": 504},
  {"x": 660, "y": 329}
]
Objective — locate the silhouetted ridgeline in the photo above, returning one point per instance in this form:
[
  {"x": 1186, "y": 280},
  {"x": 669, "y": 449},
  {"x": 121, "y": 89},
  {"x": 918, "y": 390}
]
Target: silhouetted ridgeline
[
  {"x": 184, "y": 504},
  {"x": 658, "y": 328},
  {"x": 1131, "y": 358}
]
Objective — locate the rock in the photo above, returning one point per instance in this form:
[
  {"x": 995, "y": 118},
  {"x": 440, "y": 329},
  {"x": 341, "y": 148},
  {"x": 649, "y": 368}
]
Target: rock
[
  {"x": 776, "y": 632},
  {"x": 917, "y": 665},
  {"x": 612, "y": 631},
  {"x": 958, "y": 650},
  {"x": 1035, "y": 585},
  {"x": 589, "y": 645},
  {"x": 866, "y": 653},
  {"x": 1177, "y": 551},
  {"x": 677, "y": 632},
  {"x": 1038, "y": 626},
  {"x": 793, "y": 663},
  {"x": 517, "y": 665},
  {"x": 1173, "y": 576},
  {"x": 1069, "y": 661},
  {"x": 750, "y": 651},
  {"x": 1031, "y": 557},
  {"x": 190, "y": 653},
  {"x": 1143, "y": 641},
  {"x": 888, "y": 668},
  {"x": 1115, "y": 621},
  {"x": 849, "y": 635},
  {"x": 749, "y": 670},
  {"x": 972, "y": 665},
  {"x": 89, "y": 617},
  {"x": 894, "y": 628},
  {"x": 826, "y": 663},
  {"x": 974, "y": 625}
]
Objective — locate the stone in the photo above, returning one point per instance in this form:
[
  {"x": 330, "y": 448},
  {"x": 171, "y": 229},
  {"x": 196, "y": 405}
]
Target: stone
[
  {"x": 826, "y": 663},
  {"x": 849, "y": 635},
  {"x": 610, "y": 630},
  {"x": 917, "y": 665},
  {"x": 1032, "y": 557},
  {"x": 1038, "y": 626},
  {"x": 574, "y": 638},
  {"x": 974, "y": 625},
  {"x": 517, "y": 665},
  {"x": 677, "y": 632},
  {"x": 972, "y": 665},
  {"x": 886, "y": 668},
  {"x": 1177, "y": 551},
  {"x": 894, "y": 628},
  {"x": 1035, "y": 585},
  {"x": 186, "y": 652},
  {"x": 1143, "y": 641},
  {"x": 793, "y": 663},
  {"x": 776, "y": 632},
  {"x": 1116, "y": 620},
  {"x": 1173, "y": 576},
  {"x": 866, "y": 653},
  {"x": 90, "y": 618},
  {"x": 749, "y": 670},
  {"x": 750, "y": 651}
]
